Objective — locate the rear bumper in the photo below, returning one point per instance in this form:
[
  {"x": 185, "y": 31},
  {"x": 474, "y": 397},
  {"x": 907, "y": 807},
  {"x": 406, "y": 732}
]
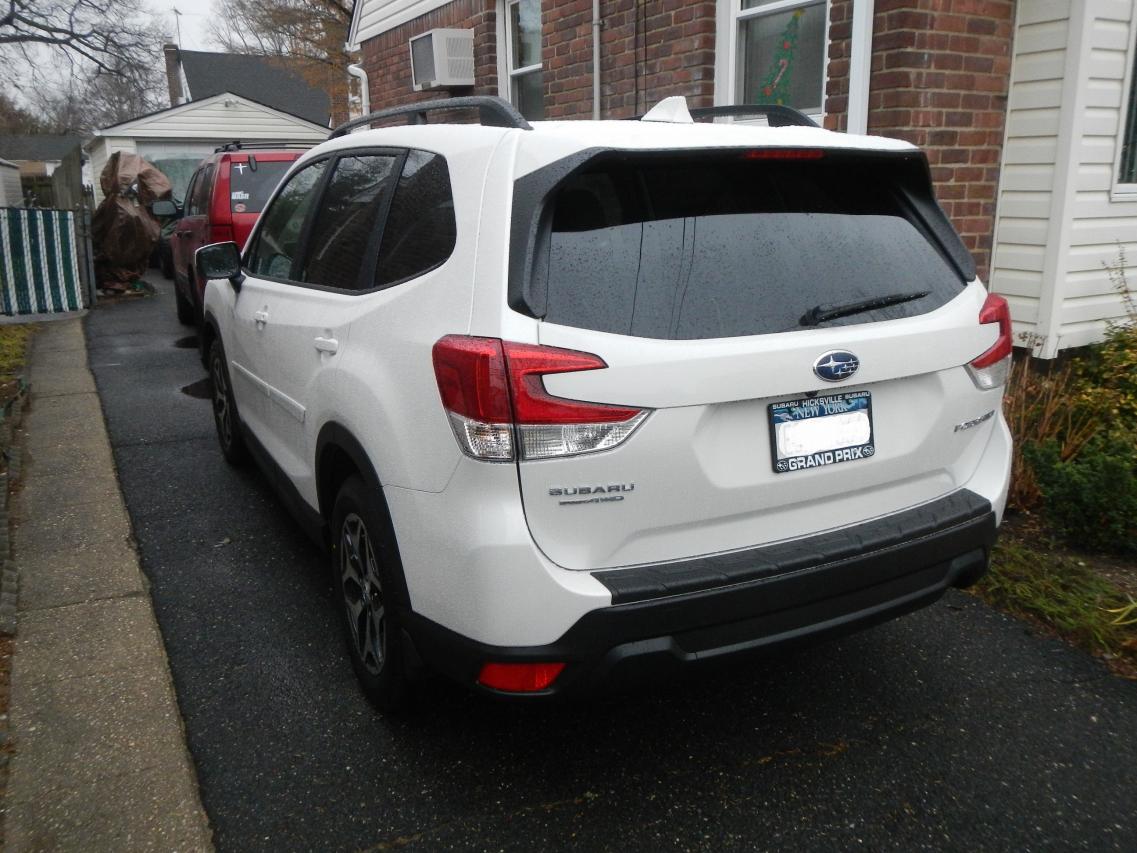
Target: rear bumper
[{"x": 667, "y": 618}]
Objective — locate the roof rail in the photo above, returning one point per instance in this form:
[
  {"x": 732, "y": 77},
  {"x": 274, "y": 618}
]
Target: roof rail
[
  {"x": 238, "y": 145},
  {"x": 492, "y": 112},
  {"x": 777, "y": 115}
]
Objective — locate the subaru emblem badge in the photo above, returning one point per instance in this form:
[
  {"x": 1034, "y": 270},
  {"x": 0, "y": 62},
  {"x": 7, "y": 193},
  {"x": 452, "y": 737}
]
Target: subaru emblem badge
[{"x": 836, "y": 365}]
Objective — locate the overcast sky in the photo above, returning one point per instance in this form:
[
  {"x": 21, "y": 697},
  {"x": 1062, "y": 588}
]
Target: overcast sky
[{"x": 194, "y": 17}]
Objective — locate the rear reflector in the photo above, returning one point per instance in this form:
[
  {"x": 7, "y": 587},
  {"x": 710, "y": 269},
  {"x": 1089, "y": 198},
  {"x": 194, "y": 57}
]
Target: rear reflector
[
  {"x": 990, "y": 369},
  {"x": 519, "y": 677},
  {"x": 495, "y": 396}
]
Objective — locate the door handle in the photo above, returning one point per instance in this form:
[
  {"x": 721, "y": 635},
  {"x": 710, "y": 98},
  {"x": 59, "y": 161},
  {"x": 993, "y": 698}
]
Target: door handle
[
  {"x": 260, "y": 317},
  {"x": 328, "y": 345}
]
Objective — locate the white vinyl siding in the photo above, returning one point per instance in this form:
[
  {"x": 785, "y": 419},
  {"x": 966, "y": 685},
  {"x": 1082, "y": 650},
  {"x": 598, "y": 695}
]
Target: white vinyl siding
[
  {"x": 1059, "y": 217},
  {"x": 226, "y": 117},
  {"x": 374, "y": 17},
  {"x": 11, "y": 192},
  {"x": 1029, "y": 157},
  {"x": 1101, "y": 219}
]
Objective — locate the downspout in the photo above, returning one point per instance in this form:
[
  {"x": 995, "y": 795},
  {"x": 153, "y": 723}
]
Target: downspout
[
  {"x": 364, "y": 93},
  {"x": 595, "y": 60},
  {"x": 860, "y": 68}
]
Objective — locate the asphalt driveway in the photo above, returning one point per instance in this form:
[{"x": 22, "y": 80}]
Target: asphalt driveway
[{"x": 951, "y": 728}]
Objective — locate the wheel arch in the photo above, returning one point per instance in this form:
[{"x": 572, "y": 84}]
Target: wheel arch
[{"x": 339, "y": 455}]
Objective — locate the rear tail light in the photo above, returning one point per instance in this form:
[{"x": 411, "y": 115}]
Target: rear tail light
[
  {"x": 498, "y": 407},
  {"x": 991, "y": 368},
  {"x": 519, "y": 677},
  {"x": 220, "y": 234}
]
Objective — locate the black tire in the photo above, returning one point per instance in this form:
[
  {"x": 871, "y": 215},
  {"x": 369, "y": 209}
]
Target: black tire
[
  {"x": 186, "y": 314},
  {"x": 165, "y": 263},
  {"x": 364, "y": 576},
  {"x": 225, "y": 415}
]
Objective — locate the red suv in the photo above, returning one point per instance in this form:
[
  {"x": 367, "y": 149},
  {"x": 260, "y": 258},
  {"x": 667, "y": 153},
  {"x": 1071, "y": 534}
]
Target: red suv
[{"x": 225, "y": 196}]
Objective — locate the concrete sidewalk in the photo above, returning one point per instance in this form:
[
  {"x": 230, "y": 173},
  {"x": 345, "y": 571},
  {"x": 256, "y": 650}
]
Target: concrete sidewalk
[{"x": 100, "y": 761}]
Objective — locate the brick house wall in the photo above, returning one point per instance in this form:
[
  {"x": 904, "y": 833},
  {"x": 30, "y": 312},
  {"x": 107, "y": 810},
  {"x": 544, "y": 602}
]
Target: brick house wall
[
  {"x": 940, "y": 76},
  {"x": 387, "y": 58},
  {"x": 669, "y": 50}
]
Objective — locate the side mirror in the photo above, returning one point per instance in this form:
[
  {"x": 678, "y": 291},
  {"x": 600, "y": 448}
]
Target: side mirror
[
  {"x": 220, "y": 260},
  {"x": 164, "y": 207}
]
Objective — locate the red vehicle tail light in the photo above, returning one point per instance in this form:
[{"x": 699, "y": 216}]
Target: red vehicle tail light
[
  {"x": 493, "y": 391},
  {"x": 519, "y": 677},
  {"x": 990, "y": 369}
]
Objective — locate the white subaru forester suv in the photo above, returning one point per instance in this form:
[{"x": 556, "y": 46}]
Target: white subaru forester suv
[{"x": 579, "y": 400}]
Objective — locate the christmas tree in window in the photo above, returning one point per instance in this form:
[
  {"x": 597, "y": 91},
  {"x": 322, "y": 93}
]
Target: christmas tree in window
[{"x": 775, "y": 88}]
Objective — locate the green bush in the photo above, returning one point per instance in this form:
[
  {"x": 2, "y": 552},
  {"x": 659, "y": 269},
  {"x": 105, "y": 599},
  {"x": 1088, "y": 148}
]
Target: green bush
[{"x": 1091, "y": 499}]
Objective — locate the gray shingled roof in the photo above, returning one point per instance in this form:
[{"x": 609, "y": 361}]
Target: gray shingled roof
[
  {"x": 260, "y": 78},
  {"x": 40, "y": 147}
]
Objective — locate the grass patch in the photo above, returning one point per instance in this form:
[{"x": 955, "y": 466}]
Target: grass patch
[
  {"x": 1066, "y": 596},
  {"x": 14, "y": 347}
]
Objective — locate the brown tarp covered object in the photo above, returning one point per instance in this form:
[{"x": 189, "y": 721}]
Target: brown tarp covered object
[{"x": 123, "y": 228}]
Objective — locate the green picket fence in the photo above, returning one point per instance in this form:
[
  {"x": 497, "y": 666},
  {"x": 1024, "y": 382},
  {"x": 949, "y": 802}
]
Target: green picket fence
[{"x": 39, "y": 263}]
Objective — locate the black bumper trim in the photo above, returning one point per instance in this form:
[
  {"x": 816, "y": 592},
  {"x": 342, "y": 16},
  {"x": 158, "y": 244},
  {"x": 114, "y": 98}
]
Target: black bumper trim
[
  {"x": 658, "y": 637},
  {"x": 642, "y": 583}
]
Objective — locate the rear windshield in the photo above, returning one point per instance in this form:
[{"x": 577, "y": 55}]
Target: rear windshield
[
  {"x": 250, "y": 184},
  {"x": 731, "y": 246}
]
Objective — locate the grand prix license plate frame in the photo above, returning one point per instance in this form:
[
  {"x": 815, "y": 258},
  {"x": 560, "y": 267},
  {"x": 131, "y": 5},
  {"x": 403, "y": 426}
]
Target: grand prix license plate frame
[{"x": 815, "y": 432}]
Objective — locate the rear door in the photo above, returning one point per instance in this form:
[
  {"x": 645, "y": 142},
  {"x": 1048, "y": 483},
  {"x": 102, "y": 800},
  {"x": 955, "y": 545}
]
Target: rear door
[
  {"x": 301, "y": 316},
  {"x": 192, "y": 231},
  {"x": 796, "y": 330}
]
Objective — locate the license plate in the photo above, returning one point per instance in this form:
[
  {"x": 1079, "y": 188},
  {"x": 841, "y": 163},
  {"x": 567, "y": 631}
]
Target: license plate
[{"x": 818, "y": 431}]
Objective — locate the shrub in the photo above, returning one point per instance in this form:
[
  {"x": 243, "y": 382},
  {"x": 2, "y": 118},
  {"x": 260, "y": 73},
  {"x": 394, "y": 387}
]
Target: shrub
[
  {"x": 1091, "y": 499},
  {"x": 1037, "y": 405}
]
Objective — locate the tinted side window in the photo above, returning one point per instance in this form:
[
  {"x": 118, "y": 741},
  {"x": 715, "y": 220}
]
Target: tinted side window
[
  {"x": 202, "y": 187},
  {"x": 346, "y": 220},
  {"x": 187, "y": 206},
  {"x": 279, "y": 235},
  {"x": 420, "y": 231}
]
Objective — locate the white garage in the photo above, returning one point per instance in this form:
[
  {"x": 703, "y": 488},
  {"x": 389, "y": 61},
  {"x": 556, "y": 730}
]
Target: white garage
[{"x": 176, "y": 139}]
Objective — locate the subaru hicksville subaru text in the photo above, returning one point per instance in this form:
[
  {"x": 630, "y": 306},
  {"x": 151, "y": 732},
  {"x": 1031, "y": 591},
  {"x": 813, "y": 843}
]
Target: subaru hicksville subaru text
[{"x": 572, "y": 399}]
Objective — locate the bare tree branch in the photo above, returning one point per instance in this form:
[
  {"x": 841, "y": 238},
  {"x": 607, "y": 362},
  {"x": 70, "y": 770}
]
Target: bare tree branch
[{"x": 107, "y": 34}]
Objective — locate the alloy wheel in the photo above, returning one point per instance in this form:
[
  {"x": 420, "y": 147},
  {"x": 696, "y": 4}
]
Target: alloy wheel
[
  {"x": 362, "y": 593},
  {"x": 221, "y": 412}
]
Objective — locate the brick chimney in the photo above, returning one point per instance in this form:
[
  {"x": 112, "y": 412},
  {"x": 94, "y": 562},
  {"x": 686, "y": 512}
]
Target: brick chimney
[{"x": 173, "y": 73}]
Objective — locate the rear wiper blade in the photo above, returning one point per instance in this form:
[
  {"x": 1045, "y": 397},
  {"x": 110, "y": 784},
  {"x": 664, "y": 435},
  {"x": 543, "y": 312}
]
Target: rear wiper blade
[{"x": 821, "y": 313}]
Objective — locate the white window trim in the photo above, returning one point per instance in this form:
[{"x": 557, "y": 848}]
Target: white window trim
[
  {"x": 505, "y": 73},
  {"x": 729, "y": 15},
  {"x": 1118, "y": 190}
]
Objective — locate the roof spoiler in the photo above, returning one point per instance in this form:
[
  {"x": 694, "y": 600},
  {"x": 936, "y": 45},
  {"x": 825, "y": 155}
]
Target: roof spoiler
[{"x": 777, "y": 115}]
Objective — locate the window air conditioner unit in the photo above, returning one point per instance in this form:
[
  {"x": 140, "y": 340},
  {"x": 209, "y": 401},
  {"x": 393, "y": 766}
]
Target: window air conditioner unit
[{"x": 442, "y": 57}]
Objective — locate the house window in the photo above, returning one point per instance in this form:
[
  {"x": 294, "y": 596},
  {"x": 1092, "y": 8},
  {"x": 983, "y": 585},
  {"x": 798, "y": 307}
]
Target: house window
[
  {"x": 780, "y": 53},
  {"x": 1127, "y": 167},
  {"x": 523, "y": 57}
]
